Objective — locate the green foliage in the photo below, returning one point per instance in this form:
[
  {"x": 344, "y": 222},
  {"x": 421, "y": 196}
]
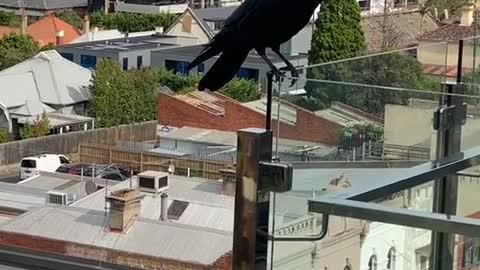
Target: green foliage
[
  {"x": 131, "y": 22},
  {"x": 338, "y": 33},
  {"x": 70, "y": 17},
  {"x": 242, "y": 90},
  {"x": 15, "y": 48},
  {"x": 9, "y": 19},
  {"x": 4, "y": 136},
  {"x": 39, "y": 128},
  {"x": 371, "y": 131},
  {"x": 176, "y": 82},
  {"x": 393, "y": 70},
  {"x": 121, "y": 97},
  {"x": 314, "y": 102},
  {"x": 453, "y": 6}
]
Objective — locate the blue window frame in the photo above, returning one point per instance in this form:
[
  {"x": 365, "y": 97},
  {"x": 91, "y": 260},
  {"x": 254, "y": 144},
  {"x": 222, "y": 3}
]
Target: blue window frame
[
  {"x": 177, "y": 66},
  {"x": 248, "y": 74},
  {"x": 88, "y": 61},
  {"x": 68, "y": 56},
  {"x": 125, "y": 63}
]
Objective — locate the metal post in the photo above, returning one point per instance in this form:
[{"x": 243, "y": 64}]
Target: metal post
[
  {"x": 446, "y": 189},
  {"x": 249, "y": 251},
  {"x": 268, "y": 124}
]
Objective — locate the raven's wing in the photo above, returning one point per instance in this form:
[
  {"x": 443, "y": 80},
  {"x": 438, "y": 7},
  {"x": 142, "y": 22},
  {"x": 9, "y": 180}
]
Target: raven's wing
[{"x": 245, "y": 13}]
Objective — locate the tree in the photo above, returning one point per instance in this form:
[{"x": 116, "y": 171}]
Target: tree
[
  {"x": 242, "y": 90},
  {"x": 4, "y": 136},
  {"x": 39, "y": 128},
  {"x": 396, "y": 70},
  {"x": 176, "y": 82},
  {"x": 70, "y": 17},
  {"x": 338, "y": 35},
  {"x": 130, "y": 22},
  {"x": 15, "y": 48},
  {"x": 9, "y": 19},
  {"x": 121, "y": 97}
]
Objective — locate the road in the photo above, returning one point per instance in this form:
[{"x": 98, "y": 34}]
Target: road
[{"x": 10, "y": 178}]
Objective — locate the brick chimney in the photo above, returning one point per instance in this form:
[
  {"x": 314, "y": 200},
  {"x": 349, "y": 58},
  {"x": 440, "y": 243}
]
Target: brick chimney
[
  {"x": 86, "y": 24},
  {"x": 467, "y": 14},
  {"x": 60, "y": 35},
  {"x": 125, "y": 206},
  {"x": 229, "y": 177}
]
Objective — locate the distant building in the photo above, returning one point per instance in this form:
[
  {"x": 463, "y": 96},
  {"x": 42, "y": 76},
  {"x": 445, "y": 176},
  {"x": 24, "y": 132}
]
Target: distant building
[
  {"x": 38, "y": 8},
  {"x": 204, "y": 23},
  {"x": 253, "y": 68},
  {"x": 438, "y": 50},
  {"x": 45, "y": 83},
  {"x": 130, "y": 52},
  {"x": 215, "y": 111}
]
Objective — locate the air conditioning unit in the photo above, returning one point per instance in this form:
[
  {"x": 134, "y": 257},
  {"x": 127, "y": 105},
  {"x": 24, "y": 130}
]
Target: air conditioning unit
[
  {"x": 61, "y": 198},
  {"x": 153, "y": 181}
]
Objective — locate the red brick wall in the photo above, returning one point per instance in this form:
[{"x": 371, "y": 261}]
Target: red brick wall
[
  {"x": 106, "y": 255},
  {"x": 309, "y": 127}
]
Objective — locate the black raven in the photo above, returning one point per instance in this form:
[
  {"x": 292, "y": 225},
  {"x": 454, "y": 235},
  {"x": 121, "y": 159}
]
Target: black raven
[{"x": 255, "y": 24}]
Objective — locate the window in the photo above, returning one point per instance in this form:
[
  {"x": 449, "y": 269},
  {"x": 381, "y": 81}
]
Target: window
[
  {"x": 125, "y": 63},
  {"x": 364, "y": 5},
  {"x": 68, "y": 56},
  {"x": 248, "y": 74},
  {"x": 64, "y": 160},
  {"x": 391, "y": 258},
  {"x": 423, "y": 262},
  {"x": 139, "y": 62},
  {"x": 372, "y": 262},
  {"x": 201, "y": 68},
  {"x": 177, "y": 66},
  {"x": 28, "y": 163},
  {"x": 468, "y": 258},
  {"x": 88, "y": 61},
  {"x": 399, "y": 3},
  {"x": 412, "y": 2}
]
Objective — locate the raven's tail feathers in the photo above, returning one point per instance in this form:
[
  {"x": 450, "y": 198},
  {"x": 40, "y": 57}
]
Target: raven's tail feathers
[{"x": 224, "y": 69}]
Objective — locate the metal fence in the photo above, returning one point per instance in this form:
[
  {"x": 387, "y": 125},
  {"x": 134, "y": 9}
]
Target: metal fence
[
  {"x": 142, "y": 161},
  {"x": 68, "y": 143}
]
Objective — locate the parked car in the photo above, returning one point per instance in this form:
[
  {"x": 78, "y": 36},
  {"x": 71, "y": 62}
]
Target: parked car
[
  {"x": 30, "y": 166},
  {"x": 75, "y": 169},
  {"x": 111, "y": 173}
]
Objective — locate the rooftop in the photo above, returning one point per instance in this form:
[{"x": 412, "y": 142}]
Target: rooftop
[
  {"x": 20, "y": 198},
  {"x": 206, "y": 204},
  {"x": 124, "y": 44},
  {"x": 44, "y": 4},
  {"x": 99, "y": 35},
  {"x": 345, "y": 115},
  {"x": 253, "y": 57},
  {"x": 450, "y": 32},
  {"x": 405, "y": 26},
  {"x": 45, "y": 30},
  {"x": 47, "y": 76},
  {"x": 166, "y": 240}
]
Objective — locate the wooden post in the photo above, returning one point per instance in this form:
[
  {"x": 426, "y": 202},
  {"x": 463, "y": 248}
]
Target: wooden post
[
  {"x": 204, "y": 168},
  {"x": 141, "y": 161},
  {"x": 110, "y": 155}
]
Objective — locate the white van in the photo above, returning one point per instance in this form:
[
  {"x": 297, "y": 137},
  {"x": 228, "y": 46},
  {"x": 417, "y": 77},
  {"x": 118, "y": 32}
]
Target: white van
[{"x": 30, "y": 166}]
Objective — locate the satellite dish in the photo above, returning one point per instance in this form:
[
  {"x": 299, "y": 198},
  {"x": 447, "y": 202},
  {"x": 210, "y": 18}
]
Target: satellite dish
[{"x": 90, "y": 187}]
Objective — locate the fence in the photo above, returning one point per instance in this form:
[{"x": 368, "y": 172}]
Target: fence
[
  {"x": 68, "y": 143},
  {"x": 379, "y": 150},
  {"x": 142, "y": 161}
]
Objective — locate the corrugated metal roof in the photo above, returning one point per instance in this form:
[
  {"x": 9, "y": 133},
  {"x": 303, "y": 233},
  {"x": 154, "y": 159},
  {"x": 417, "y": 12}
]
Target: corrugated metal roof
[
  {"x": 16, "y": 88},
  {"x": 207, "y": 207},
  {"x": 288, "y": 114},
  {"x": 57, "y": 80},
  {"x": 152, "y": 238},
  {"x": 44, "y": 4},
  {"x": 32, "y": 107},
  {"x": 18, "y": 197}
]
